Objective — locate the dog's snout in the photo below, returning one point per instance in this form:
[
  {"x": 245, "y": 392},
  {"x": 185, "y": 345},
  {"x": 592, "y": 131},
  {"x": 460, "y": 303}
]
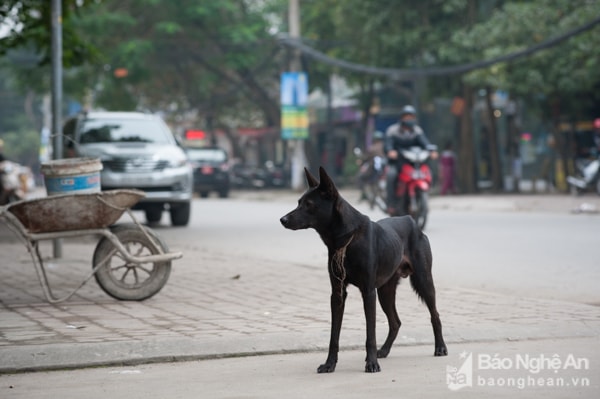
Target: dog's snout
[{"x": 284, "y": 220}]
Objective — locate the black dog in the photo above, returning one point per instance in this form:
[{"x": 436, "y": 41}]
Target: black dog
[{"x": 373, "y": 257}]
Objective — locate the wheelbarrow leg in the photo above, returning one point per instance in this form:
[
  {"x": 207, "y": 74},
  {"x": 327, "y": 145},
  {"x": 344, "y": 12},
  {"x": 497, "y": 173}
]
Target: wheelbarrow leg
[{"x": 38, "y": 263}]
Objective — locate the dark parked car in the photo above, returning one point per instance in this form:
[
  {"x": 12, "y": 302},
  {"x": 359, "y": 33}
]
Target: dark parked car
[{"x": 211, "y": 170}]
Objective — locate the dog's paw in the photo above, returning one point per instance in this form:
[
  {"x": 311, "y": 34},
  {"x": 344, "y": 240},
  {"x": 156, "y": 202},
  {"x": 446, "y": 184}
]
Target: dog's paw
[
  {"x": 326, "y": 368},
  {"x": 383, "y": 353},
  {"x": 440, "y": 351},
  {"x": 372, "y": 367}
]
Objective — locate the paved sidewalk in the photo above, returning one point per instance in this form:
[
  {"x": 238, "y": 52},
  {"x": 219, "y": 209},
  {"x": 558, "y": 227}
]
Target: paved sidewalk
[{"x": 248, "y": 306}]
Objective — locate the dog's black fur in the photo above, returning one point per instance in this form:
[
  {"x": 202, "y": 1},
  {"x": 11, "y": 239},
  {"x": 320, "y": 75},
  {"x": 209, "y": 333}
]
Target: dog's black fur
[{"x": 373, "y": 257}]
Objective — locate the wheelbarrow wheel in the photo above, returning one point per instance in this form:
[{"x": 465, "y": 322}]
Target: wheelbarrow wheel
[{"x": 127, "y": 280}]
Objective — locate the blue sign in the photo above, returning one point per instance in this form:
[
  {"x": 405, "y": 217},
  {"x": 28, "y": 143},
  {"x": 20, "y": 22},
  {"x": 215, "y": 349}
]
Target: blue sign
[{"x": 294, "y": 99}]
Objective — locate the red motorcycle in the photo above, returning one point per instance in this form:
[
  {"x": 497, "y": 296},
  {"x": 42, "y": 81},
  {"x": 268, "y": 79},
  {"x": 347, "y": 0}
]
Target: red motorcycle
[{"x": 414, "y": 182}]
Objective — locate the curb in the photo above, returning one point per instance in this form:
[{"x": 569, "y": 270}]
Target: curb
[{"x": 106, "y": 354}]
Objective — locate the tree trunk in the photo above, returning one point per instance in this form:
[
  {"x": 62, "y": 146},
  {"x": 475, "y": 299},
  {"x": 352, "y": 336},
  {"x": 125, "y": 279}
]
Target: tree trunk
[
  {"x": 561, "y": 145},
  {"x": 367, "y": 95},
  {"x": 495, "y": 163},
  {"x": 466, "y": 163},
  {"x": 263, "y": 99},
  {"x": 512, "y": 148},
  {"x": 234, "y": 139},
  {"x": 28, "y": 107},
  {"x": 466, "y": 151}
]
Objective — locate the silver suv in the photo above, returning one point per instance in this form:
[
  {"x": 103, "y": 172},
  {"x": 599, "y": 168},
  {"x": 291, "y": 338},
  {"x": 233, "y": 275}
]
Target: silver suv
[{"x": 138, "y": 150}]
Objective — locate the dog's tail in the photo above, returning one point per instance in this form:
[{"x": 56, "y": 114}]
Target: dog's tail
[{"x": 421, "y": 259}]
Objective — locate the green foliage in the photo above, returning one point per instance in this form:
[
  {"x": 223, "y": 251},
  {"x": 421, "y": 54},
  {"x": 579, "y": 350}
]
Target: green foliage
[
  {"x": 221, "y": 59},
  {"x": 116, "y": 97},
  {"x": 419, "y": 34},
  {"x": 168, "y": 28},
  {"x": 207, "y": 56},
  {"x": 406, "y": 34},
  {"x": 568, "y": 68},
  {"x": 29, "y": 23}
]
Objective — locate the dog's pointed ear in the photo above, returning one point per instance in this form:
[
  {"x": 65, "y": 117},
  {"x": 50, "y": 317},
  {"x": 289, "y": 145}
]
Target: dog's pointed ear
[
  {"x": 312, "y": 181},
  {"x": 326, "y": 184}
]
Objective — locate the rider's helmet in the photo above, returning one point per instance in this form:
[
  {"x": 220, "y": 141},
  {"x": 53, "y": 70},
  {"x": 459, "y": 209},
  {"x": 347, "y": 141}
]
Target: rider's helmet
[
  {"x": 408, "y": 117},
  {"x": 408, "y": 110},
  {"x": 378, "y": 135}
]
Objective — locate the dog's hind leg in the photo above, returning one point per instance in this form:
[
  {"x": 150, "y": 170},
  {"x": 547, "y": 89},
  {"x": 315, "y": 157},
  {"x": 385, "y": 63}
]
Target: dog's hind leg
[
  {"x": 422, "y": 283},
  {"x": 387, "y": 300}
]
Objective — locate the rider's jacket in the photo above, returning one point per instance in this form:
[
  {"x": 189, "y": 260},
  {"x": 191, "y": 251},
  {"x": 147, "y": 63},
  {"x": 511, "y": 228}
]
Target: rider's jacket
[{"x": 399, "y": 137}]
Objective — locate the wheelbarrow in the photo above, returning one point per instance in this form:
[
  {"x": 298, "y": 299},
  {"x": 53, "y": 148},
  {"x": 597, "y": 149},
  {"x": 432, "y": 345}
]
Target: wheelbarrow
[{"x": 130, "y": 262}]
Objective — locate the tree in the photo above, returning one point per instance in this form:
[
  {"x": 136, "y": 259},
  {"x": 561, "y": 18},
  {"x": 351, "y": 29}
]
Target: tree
[
  {"x": 401, "y": 34},
  {"x": 558, "y": 80},
  {"x": 29, "y": 26},
  {"x": 222, "y": 61},
  {"x": 215, "y": 58}
]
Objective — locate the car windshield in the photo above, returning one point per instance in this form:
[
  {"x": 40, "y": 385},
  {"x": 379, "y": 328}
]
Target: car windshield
[
  {"x": 206, "y": 154},
  {"x": 123, "y": 131}
]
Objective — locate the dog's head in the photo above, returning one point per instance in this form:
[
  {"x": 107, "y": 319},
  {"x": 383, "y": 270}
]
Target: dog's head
[{"x": 317, "y": 205}]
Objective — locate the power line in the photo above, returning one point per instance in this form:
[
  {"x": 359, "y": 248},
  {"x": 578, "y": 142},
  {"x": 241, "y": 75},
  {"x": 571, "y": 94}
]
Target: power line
[{"x": 397, "y": 73}]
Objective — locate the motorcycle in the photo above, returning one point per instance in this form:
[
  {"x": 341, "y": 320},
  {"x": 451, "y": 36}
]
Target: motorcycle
[
  {"x": 588, "y": 176},
  {"x": 276, "y": 175},
  {"x": 414, "y": 182},
  {"x": 372, "y": 181}
]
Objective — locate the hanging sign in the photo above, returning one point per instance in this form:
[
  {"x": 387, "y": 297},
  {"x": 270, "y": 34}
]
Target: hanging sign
[{"x": 294, "y": 98}]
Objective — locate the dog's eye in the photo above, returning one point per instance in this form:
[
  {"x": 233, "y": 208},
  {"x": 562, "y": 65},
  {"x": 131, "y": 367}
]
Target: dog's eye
[{"x": 310, "y": 204}]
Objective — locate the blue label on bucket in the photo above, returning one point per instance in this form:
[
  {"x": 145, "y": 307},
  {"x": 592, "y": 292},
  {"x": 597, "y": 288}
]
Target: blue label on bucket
[{"x": 70, "y": 184}]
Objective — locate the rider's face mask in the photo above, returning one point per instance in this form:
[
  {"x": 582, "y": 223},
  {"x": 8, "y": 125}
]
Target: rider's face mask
[{"x": 409, "y": 123}]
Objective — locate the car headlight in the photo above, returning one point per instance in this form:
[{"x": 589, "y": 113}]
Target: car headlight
[{"x": 178, "y": 162}]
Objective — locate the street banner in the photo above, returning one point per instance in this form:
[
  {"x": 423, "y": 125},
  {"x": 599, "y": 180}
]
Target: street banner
[{"x": 294, "y": 114}]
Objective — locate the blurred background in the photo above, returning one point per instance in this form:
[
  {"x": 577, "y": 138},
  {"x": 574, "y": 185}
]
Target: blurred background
[{"x": 513, "y": 87}]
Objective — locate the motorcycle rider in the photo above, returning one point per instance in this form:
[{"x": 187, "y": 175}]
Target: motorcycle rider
[{"x": 401, "y": 135}]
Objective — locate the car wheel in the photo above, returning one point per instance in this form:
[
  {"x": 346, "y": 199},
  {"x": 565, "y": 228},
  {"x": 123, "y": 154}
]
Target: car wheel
[
  {"x": 204, "y": 194},
  {"x": 224, "y": 193},
  {"x": 153, "y": 215},
  {"x": 180, "y": 214}
]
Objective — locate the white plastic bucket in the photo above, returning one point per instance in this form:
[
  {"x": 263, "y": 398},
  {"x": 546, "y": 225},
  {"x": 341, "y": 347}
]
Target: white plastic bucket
[{"x": 72, "y": 175}]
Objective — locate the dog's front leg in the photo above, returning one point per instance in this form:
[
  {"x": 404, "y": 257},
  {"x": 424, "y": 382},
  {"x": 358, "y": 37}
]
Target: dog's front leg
[
  {"x": 370, "y": 305},
  {"x": 338, "y": 301}
]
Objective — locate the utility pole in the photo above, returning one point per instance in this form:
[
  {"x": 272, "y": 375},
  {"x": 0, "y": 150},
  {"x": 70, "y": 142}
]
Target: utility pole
[
  {"x": 57, "y": 149},
  {"x": 330, "y": 139},
  {"x": 298, "y": 159}
]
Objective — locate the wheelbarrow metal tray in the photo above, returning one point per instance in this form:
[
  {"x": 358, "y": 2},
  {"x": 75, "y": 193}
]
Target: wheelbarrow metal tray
[{"x": 67, "y": 212}]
